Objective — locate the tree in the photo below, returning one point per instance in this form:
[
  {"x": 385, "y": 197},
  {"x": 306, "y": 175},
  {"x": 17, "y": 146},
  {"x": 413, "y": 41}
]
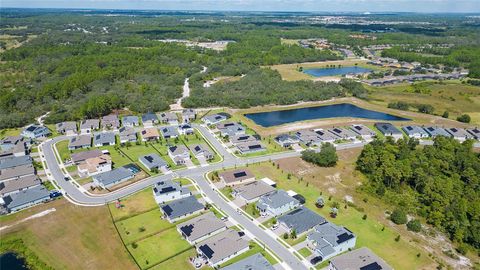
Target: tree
[
  {"x": 414, "y": 225},
  {"x": 293, "y": 234},
  {"x": 285, "y": 236},
  {"x": 464, "y": 118},
  {"x": 327, "y": 157},
  {"x": 445, "y": 114},
  {"x": 398, "y": 216}
]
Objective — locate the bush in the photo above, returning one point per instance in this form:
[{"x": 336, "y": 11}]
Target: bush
[
  {"x": 399, "y": 105},
  {"x": 397, "y": 238},
  {"x": 464, "y": 118},
  {"x": 462, "y": 249},
  {"x": 327, "y": 157},
  {"x": 398, "y": 217},
  {"x": 414, "y": 225},
  {"x": 445, "y": 114},
  {"x": 285, "y": 236}
]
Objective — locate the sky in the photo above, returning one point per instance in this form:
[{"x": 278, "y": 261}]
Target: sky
[{"x": 429, "y": 6}]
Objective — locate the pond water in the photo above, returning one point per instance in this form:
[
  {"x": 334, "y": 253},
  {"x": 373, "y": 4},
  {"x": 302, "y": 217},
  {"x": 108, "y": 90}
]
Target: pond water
[
  {"x": 269, "y": 119},
  {"x": 11, "y": 261},
  {"x": 322, "y": 72}
]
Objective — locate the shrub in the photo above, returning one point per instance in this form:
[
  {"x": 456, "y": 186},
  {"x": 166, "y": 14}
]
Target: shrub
[
  {"x": 414, "y": 225},
  {"x": 464, "y": 118},
  {"x": 364, "y": 217},
  {"x": 398, "y": 216},
  {"x": 397, "y": 238},
  {"x": 285, "y": 236},
  {"x": 445, "y": 114}
]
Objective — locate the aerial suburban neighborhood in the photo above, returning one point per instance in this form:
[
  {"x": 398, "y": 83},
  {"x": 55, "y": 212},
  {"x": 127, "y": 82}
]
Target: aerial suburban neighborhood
[{"x": 217, "y": 135}]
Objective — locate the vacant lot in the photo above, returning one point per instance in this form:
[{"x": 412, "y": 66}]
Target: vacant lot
[
  {"x": 142, "y": 226},
  {"x": 72, "y": 237}
]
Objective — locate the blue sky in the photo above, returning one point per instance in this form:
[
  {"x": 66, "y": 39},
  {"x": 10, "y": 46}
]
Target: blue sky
[{"x": 260, "y": 5}]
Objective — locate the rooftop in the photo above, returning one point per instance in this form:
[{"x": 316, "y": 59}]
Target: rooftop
[
  {"x": 222, "y": 245},
  {"x": 14, "y": 162},
  {"x": 104, "y": 138},
  {"x": 253, "y": 190},
  {"x": 81, "y": 156},
  {"x": 181, "y": 207},
  {"x": 113, "y": 176},
  {"x": 276, "y": 199},
  {"x": 236, "y": 175},
  {"x": 21, "y": 183},
  {"x": 26, "y": 196},
  {"x": 254, "y": 262},
  {"x": 153, "y": 161},
  {"x": 80, "y": 140},
  {"x": 301, "y": 219},
  {"x": 201, "y": 226},
  {"x": 360, "y": 259},
  {"x": 387, "y": 128},
  {"x": 168, "y": 186}
]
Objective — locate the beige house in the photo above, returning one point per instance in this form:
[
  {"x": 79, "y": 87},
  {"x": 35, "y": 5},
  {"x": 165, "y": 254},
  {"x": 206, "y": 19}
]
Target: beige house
[
  {"x": 95, "y": 165},
  {"x": 236, "y": 177}
]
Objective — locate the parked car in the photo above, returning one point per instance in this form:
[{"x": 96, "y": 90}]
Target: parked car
[{"x": 316, "y": 260}]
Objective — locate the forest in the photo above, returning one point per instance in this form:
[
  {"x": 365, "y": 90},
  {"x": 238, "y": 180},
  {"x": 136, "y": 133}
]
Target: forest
[{"x": 439, "y": 182}]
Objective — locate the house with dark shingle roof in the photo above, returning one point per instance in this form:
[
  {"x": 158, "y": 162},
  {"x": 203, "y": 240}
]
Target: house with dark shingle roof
[
  {"x": 363, "y": 131},
  {"x": 149, "y": 119},
  {"x": 130, "y": 121},
  {"x": 169, "y": 132},
  {"x": 181, "y": 208},
  {"x": 389, "y": 130},
  {"x": 89, "y": 125},
  {"x": 168, "y": 190},
  {"x": 359, "y": 259},
  {"x": 188, "y": 115},
  {"x": 153, "y": 161},
  {"x": 104, "y": 139},
  {"x": 236, "y": 177},
  {"x": 254, "y": 262},
  {"x": 415, "y": 132},
  {"x": 301, "y": 220},
  {"x": 328, "y": 240},
  {"x": 13, "y": 161},
  {"x": 276, "y": 203},
  {"x": 26, "y": 198},
  {"x": 35, "y": 132},
  {"x": 80, "y": 141},
  {"x": 67, "y": 128},
  {"x": 113, "y": 177},
  {"x": 200, "y": 228},
  {"x": 222, "y": 247},
  {"x": 18, "y": 185},
  {"x": 127, "y": 134},
  {"x": 202, "y": 151}
]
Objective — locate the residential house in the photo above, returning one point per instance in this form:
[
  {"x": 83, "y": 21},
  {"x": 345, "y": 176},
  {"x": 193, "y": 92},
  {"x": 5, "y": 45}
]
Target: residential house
[
  {"x": 230, "y": 129},
  {"x": 389, "y": 130},
  {"x": 475, "y": 132},
  {"x": 188, "y": 115},
  {"x": 150, "y": 134},
  {"x": 168, "y": 118},
  {"x": 11, "y": 162},
  {"x": 16, "y": 172},
  {"x": 415, "y": 132},
  {"x": 179, "y": 154},
  {"x": 168, "y": 190},
  {"x": 149, "y": 119},
  {"x": 286, "y": 140},
  {"x": 89, "y": 125},
  {"x": 359, "y": 259},
  {"x": 153, "y": 161},
  {"x": 214, "y": 119},
  {"x": 185, "y": 129},
  {"x": 79, "y": 142},
  {"x": 254, "y": 262},
  {"x": 343, "y": 133},
  {"x": 127, "y": 134},
  {"x": 437, "y": 131},
  {"x": 10, "y": 142},
  {"x": 459, "y": 134},
  {"x": 13, "y": 146},
  {"x": 301, "y": 220},
  {"x": 236, "y": 177},
  {"x": 363, "y": 131},
  {"x": 110, "y": 122},
  {"x": 325, "y": 136},
  {"x": 104, "y": 139},
  {"x": 252, "y": 191},
  {"x": 243, "y": 138},
  {"x": 328, "y": 240},
  {"x": 113, "y": 177},
  {"x": 222, "y": 247},
  {"x": 276, "y": 203},
  {"x": 80, "y": 157},
  {"x": 95, "y": 165},
  {"x": 26, "y": 198},
  {"x": 18, "y": 185},
  {"x": 67, "y": 128},
  {"x": 181, "y": 208},
  {"x": 35, "y": 132},
  {"x": 200, "y": 228},
  {"x": 202, "y": 151},
  {"x": 169, "y": 132},
  {"x": 130, "y": 121},
  {"x": 250, "y": 147},
  {"x": 309, "y": 137}
]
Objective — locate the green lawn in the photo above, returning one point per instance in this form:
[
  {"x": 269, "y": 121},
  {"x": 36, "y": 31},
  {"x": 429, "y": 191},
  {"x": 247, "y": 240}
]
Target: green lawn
[
  {"x": 135, "y": 204},
  {"x": 158, "y": 248},
  {"x": 305, "y": 252},
  {"x": 179, "y": 262},
  {"x": 62, "y": 147},
  {"x": 251, "y": 210},
  {"x": 298, "y": 240},
  {"x": 227, "y": 191},
  {"x": 10, "y": 132},
  {"x": 143, "y": 225},
  {"x": 254, "y": 248}
]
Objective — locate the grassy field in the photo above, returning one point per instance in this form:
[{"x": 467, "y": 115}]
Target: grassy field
[
  {"x": 10, "y": 132},
  {"x": 401, "y": 255},
  {"x": 72, "y": 237},
  {"x": 135, "y": 204},
  {"x": 142, "y": 225},
  {"x": 451, "y": 96},
  {"x": 305, "y": 252},
  {"x": 179, "y": 262}
]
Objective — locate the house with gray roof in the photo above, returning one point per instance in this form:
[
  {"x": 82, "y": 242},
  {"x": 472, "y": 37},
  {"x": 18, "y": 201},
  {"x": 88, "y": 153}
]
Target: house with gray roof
[
  {"x": 343, "y": 133},
  {"x": 359, "y": 259},
  {"x": 80, "y": 157},
  {"x": 363, "y": 131},
  {"x": 113, "y": 177},
  {"x": 89, "y": 125},
  {"x": 310, "y": 137},
  {"x": 26, "y": 198},
  {"x": 222, "y": 247},
  {"x": 169, "y": 132},
  {"x": 168, "y": 118},
  {"x": 200, "y": 228},
  {"x": 168, "y": 190},
  {"x": 328, "y": 240},
  {"x": 242, "y": 138},
  {"x": 13, "y": 161},
  {"x": 67, "y": 128},
  {"x": 389, "y": 130},
  {"x": 80, "y": 141},
  {"x": 276, "y": 203},
  {"x": 475, "y": 132},
  {"x": 179, "y": 154},
  {"x": 254, "y": 262},
  {"x": 127, "y": 134},
  {"x": 236, "y": 177},
  {"x": 130, "y": 121},
  {"x": 325, "y": 136},
  {"x": 35, "y": 132},
  {"x": 251, "y": 192},
  {"x": 188, "y": 115},
  {"x": 202, "y": 151},
  {"x": 415, "y": 132},
  {"x": 181, "y": 208},
  {"x": 185, "y": 129},
  {"x": 153, "y": 161},
  {"x": 250, "y": 147},
  {"x": 110, "y": 122},
  {"x": 230, "y": 129},
  {"x": 149, "y": 119},
  {"x": 10, "y": 142},
  {"x": 16, "y": 172},
  {"x": 437, "y": 131},
  {"x": 18, "y": 185},
  {"x": 286, "y": 140},
  {"x": 104, "y": 139},
  {"x": 459, "y": 134},
  {"x": 214, "y": 119},
  {"x": 301, "y": 220}
]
